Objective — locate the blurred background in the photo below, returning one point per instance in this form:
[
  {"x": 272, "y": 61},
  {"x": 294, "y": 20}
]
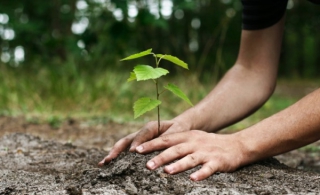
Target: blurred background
[{"x": 60, "y": 58}]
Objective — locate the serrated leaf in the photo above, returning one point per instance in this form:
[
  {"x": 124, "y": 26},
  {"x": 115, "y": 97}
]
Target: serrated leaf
[
  {"x": 174, "y": 60},
  {"x": 178, "y": 92},
  {"x": 138, "y": 55},
  {"x": 145, "y": 72},
  {"x": 144, "y": 105},
  {"x": 132, "y": 77}
]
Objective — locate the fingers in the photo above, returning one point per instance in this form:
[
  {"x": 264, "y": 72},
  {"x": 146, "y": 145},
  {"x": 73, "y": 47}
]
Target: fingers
[
  {"x": 188, "y": 146},
  {"x": 206, "y": 171},
  {"x": 119, "y": 147},
  {"x": 184, "y": 164},
  {"x": 190, "y": 160},
  {"x": 214, "y": 152},
  {"x": 164, "y": 141},
  {"x": 148, "y": 132},
  {"x": 169, "y": 155}
]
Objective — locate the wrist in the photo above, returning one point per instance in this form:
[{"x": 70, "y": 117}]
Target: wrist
[
  {"x": 187, "y": 120},
  {"x": 251, "y": 151}
]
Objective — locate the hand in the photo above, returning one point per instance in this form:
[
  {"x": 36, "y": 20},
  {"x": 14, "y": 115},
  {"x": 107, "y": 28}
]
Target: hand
[
  {"x": 146, "y": 133},
  {"x": 216, "y": 153}
]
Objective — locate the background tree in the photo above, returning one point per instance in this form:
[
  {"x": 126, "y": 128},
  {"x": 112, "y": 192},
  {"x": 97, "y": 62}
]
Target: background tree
[{"x": 204, "y": 33}]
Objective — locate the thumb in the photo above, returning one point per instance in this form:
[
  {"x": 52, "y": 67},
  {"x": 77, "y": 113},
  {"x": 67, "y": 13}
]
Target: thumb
[{"x": 148, "y": 132}]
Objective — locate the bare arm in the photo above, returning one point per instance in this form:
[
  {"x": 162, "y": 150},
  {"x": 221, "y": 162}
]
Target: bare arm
[
  {"x": 296, "y": 126},
  {"x": 245, "y": 87}
]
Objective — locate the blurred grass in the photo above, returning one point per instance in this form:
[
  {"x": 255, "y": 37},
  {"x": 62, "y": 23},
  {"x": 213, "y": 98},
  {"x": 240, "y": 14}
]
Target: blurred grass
[
  {"x": 63, "y": 91},
  {"x": 273, "y": 105},
  {"x": 54, "y": 95}
]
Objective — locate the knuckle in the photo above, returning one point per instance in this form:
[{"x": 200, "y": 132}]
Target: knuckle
[
  {"x": 223, "y": 164},
  {"x": 121, "y": 142},
  {"x": 160, "y": 159},
  {"x": 165, "y": 138},
  {"x": 113, "y": 153},
  {"x": 118, "y": 144},
  {"x": 193, "y": 159},
  {"x": 150, "y": 125},
  {"x": 179, "y": 150},
  {"x": 126, "y": 139},
  {"x": 149, "y": 128},
  {"x": 211, "y": 169},
  {"x": 195, "y": 133}
]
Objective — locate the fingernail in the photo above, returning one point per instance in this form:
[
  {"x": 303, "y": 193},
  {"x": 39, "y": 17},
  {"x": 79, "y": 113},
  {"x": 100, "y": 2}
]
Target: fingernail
[
  {"x": 151, "y": 165},
  {"x": 194, "y": 177},
  {"x": 169, "y": 169},
  {"x": 139, "y": 148}
]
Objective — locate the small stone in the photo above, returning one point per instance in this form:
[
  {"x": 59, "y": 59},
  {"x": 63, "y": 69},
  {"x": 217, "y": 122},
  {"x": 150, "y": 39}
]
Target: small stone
[
  {"x": 131, "y": 189},
  {"x": 268, "y": 176},
  {"x": 94, "y": 182}
]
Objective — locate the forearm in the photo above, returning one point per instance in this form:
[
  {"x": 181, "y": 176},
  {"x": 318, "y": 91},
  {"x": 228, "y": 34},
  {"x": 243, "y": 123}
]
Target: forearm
[
  {"x": 294, "y": 127},
  {"x": 245, "y": 87},
  {"x": 238, "y": 94}
]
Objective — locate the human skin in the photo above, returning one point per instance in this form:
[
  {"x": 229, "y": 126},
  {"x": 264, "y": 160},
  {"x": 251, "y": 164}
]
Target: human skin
[{"x": 245, "y": 87}]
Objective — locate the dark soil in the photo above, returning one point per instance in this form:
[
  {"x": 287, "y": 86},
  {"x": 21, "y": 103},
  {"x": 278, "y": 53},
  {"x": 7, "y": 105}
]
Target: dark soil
[{"x": 46, "y": 160}]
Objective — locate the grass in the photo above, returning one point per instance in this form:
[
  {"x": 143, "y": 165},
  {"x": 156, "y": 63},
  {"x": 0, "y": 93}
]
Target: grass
[
  {"x": 272, "y": 106},
  {"x": 52, "y": 96}
]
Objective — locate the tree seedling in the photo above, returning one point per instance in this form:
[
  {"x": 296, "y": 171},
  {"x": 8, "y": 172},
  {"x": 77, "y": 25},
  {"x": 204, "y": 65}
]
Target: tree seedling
[{"x": 147, "y": 72}]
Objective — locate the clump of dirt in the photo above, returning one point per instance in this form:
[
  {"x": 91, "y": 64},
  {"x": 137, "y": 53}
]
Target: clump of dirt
[{"x": 29, "y": 165}]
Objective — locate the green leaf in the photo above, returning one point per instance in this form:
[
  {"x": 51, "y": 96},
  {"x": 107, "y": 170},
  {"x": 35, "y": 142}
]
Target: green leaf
[
  {"x": 145, "y": 72},
  {"x": 178, "y": 92},
  {"x": 144, "y": 105},
  {"x": 138, "y": 55},
  {"x": 174, "y": 60},
  {"x": 132, "y": 77}
]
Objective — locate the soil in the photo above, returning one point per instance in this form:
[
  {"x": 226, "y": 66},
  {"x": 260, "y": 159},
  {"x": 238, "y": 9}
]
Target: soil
[{"x": 43, "y": 159}]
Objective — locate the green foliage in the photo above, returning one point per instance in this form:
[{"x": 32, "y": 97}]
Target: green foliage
[
  {"x": 138, "y": 55},
  {"x": 310, "y": 149},
  {"x": 42, "y": 28},
  {"x": 45, "y": 31},
  {"x": 42, "y": 95},
  {"x": 55, "y": 122},
  {"x": 146, "y": 72},
  {"x": 174, "y": 60},
  {"x": 177, "y": 91},
  {"x": 132, "y": 77},
  {"x": 144, "y": 105},
  {"x": 48, "y": 93}
]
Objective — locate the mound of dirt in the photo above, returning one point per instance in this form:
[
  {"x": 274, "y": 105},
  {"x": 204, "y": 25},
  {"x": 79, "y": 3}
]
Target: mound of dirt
[{"x": 29, "y": 165}]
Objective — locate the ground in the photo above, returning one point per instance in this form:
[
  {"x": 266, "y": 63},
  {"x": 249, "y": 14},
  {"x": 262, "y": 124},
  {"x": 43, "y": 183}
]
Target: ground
[{"x": 47, "y": 159}]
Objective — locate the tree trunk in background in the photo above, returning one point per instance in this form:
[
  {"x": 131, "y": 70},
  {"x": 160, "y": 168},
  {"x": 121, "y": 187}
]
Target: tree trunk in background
[{"x": 61, "y": 25}]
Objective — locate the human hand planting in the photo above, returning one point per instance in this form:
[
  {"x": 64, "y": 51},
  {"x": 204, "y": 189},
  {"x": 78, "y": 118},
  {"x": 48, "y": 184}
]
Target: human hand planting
[
  {"x": 145, "y": 134},
  {"x": 216, "y": 153}
]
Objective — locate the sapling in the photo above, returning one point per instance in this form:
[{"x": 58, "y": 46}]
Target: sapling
[{"x": 147, "y": 72}]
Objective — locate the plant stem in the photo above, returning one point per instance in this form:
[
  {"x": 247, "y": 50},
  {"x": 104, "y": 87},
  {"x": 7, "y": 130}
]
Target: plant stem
[
  {"x": 158, "y": 94},
  {"x": 157, "y": 89}
]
